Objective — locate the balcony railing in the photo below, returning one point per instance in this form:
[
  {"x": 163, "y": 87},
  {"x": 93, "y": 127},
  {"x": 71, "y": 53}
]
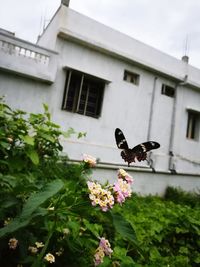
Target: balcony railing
[
  {"x": 17, "y": 50},
  {"x": 27, "y": 59}
]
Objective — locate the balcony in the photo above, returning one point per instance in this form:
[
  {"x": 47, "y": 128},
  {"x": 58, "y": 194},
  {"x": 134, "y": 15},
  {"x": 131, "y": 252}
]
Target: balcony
[{"x": 26, "y": 59}]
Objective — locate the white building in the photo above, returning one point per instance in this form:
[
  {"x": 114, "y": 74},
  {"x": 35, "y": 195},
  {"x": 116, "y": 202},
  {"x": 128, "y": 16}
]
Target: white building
[{"x": 96, "y": 79}]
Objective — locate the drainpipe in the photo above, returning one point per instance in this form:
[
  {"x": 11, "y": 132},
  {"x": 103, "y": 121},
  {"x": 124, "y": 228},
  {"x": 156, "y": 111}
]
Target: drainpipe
[
  {"x": 150, "y": 160},
  {"x": 171, "y": 164}
]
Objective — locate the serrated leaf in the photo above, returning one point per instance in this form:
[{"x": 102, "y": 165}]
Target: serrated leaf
[
  {"x": 38, "y": 198},
  {"x": 68, "y": 133},
  {"x": 5, "y": 144},
  {"x": 94, "y": 228},
  {"x": 47, "y": 137},
  {"x": 124, "y": 228},
  {"x": 28, "y": 139},
  {"x": 33, "y": 155},
  {"x": 30, "y": 208}
]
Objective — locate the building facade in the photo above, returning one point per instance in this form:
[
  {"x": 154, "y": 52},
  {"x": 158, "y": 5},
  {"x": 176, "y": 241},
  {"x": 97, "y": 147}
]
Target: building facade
[{"x": 95, "y": 79}]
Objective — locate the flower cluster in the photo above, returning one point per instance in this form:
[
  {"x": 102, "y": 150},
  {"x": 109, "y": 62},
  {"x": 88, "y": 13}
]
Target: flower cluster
[
  {"x": 122, "y": 174},
  {"x": 104, "y": 249},
  {"x": 91, "y": 161},
  {"x": 100, "y": 196},
  {"x": 122, "y": 187},
  {"x": 106, "y": 197}
]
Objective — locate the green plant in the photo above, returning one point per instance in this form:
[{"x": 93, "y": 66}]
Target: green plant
[
  {"x": 168, "y": 233},
  {"x": 45, "y": 213},
  {"x": 179, "y": 196}
]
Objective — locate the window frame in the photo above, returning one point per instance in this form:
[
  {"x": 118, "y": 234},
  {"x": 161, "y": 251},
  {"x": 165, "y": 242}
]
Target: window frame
[
  {"x": 87, "y": 91},
  {"x": 165, "y": 90},
  {"x": 193, "y": 125},
  {"x": 131, "y": 77}
]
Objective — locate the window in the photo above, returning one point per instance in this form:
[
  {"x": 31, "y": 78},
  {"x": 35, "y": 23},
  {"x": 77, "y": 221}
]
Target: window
[
  {"x": 167, "y": 90},
  {"x": 193, "y": 125},
  {"x": 83, "y": 93},
  {"x": 131, "y": 77}
]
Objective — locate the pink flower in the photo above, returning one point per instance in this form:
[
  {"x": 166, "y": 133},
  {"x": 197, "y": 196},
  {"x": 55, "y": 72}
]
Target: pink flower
[
  {"x": 122, "y": 189},
  {"x": 129, "y": 179},
  {"x": 104, "y": 249},
  {"x": 98, "y": 256},
  {"x": 104, "y": 243},
  {"x": 122, "y": 174}
]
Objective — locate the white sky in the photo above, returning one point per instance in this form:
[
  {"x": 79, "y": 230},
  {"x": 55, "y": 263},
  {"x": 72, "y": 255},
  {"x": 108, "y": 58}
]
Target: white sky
[{"x": 163, "y": 24}]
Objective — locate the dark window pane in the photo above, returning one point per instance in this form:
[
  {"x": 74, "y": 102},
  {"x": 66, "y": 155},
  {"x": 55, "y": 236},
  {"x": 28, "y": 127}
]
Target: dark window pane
[
  {"x": 192, "y": 125},
  {"x": 131, "y": 77},
  {"x": 83, "y": 94},
  {"x": 167, "y": 90}
]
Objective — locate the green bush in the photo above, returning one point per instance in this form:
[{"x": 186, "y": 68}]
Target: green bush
[
  {"x": 45, "y": 211},
  {"x": 177, "y": 195},
  {"x": 168, "y": 233}
]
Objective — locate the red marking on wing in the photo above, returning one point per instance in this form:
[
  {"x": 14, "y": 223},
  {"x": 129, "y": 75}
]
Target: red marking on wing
[{"x": 129, "y": 156}]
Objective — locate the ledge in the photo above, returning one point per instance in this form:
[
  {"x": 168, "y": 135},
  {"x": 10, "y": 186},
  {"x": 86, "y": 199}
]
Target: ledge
[{"x": 26, "y": 59}]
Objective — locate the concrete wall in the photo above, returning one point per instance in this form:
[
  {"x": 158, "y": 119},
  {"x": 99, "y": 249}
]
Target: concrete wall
[
  {"x": 146, "y": 182},
  {"x": 125, "y": 105},
  {"x": 24, "y": 93}
]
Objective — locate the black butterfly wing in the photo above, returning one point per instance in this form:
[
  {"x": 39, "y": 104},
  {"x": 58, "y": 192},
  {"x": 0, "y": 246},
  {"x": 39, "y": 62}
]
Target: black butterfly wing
[
  {"x": 145, "y": 147},
  {"x": 126, "y": 154},
  {"x": 120, "y": 139},
  {"x": 140, "y": 151}
]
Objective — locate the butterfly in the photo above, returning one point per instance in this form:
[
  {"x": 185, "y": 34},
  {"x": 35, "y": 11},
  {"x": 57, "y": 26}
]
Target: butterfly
[{"x": 139, "y": 152}]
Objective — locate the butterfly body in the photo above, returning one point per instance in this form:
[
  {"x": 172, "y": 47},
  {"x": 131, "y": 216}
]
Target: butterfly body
[{"x": 138, "y": 152}]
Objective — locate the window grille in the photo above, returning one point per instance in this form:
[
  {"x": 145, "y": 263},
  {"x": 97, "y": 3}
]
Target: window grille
[{"x": 83, "y": 94}]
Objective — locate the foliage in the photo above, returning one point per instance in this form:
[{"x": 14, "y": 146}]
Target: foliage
[
  {"x": 168, "y": 233},
  {"x": 177, "y": 195},
  {"x": 45, "y": 213}
]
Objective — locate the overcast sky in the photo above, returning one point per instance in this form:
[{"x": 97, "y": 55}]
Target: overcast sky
[{"x": 172, "y": 26}]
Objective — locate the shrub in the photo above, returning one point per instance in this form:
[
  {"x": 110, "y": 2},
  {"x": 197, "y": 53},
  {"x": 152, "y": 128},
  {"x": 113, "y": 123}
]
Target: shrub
[
  {"x": 46, "y": 216},
  {"x": 177, "y": 195},
  {"x": 168, "y": 233}
]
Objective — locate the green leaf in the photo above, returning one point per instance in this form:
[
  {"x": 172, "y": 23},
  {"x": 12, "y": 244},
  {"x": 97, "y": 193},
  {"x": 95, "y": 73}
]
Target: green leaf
[
  {"x": 28, "y": 139},
  {"x": 80, "y": 134},
  {"x": 37, "y": 199},
  {"x": 5, "y": 144},
  {"x": 69, "y": 132},
  {"x": 33, "y": 155},
  {"x": 124, "y": 228},
  {"x": 45, "y": 106},
  {"x": 94, "y": 228},
  {"x": 32, "y": 206},
  {"x": 106, "y": 262}
]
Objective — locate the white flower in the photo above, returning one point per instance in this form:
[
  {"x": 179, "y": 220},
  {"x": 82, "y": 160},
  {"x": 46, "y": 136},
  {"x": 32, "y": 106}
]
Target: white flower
[
  {"x": 50, "y": 258},
  {"x": 12, "y": 243}
]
